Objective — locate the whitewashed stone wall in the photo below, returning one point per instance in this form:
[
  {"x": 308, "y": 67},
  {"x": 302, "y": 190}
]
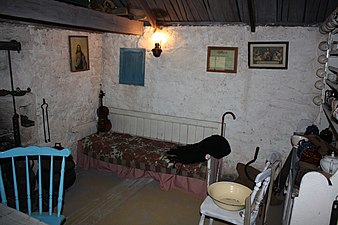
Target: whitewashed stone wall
[
  {"x": 268, "y": 103},
  {"x": 43, "y": 65}
]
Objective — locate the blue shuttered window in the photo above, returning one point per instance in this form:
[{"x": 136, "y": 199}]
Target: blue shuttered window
[{"x": 132, "y": 66}]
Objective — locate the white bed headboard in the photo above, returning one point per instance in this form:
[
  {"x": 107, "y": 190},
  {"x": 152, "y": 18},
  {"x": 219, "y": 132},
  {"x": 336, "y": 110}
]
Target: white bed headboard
[{"x": 162, "y": 127}]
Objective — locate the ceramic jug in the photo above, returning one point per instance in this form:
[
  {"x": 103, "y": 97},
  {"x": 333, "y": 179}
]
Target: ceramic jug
[{"x": 329, "y": 163}]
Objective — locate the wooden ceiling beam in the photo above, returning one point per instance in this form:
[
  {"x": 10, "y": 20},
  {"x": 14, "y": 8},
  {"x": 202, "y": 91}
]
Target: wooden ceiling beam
[
  {"x": 252, "y": 15},
  {"x": 151, "y": 17},
  {"x": 59, "y": 13}
]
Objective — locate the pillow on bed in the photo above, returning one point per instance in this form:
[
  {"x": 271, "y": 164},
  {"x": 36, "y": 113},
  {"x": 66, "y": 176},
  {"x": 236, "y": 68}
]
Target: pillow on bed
[{"x": 215, "y": 145}]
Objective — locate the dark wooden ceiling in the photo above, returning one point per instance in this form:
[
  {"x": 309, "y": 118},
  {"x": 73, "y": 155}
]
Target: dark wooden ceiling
[
  {"x": 129, "y": 16},
  {"x": 203, "y": 12}
]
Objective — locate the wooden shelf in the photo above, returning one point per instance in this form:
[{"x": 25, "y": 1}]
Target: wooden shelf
[
  {"x": 334, "y": 53},
  {"x": 333, "y": 69},
  {"x": 332, "y": 85},
  {"x": 332, "y": 121}
]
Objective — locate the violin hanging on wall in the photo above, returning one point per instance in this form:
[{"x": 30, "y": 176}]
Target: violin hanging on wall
[{"x": 104, "y": 124}]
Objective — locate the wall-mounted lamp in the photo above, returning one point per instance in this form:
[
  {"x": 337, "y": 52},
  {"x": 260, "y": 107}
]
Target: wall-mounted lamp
[
  {"x": 157, "y": 50},
  {"x": 159, "y": 38}
]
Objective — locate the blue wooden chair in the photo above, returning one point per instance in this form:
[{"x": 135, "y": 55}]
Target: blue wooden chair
[{"x": 19, "y": 161}]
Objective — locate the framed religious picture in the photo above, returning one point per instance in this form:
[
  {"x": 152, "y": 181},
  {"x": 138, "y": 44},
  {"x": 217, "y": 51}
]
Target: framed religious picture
[
  {"x": 222, "y": 59},
  {"x": 268, "y": 55},
  {"x": 79, "y": 53}
]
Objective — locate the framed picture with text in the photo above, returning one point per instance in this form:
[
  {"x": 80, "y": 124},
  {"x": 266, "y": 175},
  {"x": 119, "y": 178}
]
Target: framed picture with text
[
  {"x": 79, "y": 53},
  {"x": 222, "y": 59},
  {"x": 268, "y": 55}
]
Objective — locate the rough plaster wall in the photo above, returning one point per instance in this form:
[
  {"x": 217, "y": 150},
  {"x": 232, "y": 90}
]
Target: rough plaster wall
[
  {"x": 268, "y": 103},
  {"x": 43, "y": 65}
]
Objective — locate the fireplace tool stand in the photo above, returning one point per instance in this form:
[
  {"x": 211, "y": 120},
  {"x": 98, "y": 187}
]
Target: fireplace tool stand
[
  {"x": 19, "y": 164},
  {"x": 10, "y": 46}
]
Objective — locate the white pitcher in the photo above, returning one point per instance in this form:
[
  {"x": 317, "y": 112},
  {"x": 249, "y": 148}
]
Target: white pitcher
[{"x": 329, "y": 163}]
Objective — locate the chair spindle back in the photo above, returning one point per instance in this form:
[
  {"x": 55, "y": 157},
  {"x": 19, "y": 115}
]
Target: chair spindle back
[{"x": 21, "y": 160}]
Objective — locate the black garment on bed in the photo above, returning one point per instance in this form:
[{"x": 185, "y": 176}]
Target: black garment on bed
[{"x": 215, "y": 145}]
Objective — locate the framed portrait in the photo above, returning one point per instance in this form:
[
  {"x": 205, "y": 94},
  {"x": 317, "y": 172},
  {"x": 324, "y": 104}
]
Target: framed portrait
[
  {"x": 222, "y": 59},
  {"x": 268, "y": 55},
  {"x": 79, "y": 53}
]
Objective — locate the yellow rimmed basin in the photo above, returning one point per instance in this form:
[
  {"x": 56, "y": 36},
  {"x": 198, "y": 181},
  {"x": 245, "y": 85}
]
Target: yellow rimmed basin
[{"x": 229, "y": 195}]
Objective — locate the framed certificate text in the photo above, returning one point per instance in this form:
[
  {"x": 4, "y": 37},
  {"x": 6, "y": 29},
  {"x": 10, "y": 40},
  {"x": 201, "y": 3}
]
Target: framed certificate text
[{"x": 222, "y": 59}]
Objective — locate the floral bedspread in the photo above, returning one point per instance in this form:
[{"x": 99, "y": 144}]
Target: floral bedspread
[{"x": 138, "y": 152}]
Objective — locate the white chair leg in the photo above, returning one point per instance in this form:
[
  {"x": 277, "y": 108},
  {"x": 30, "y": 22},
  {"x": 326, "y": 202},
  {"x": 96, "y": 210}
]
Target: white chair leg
[
  {"x": 211, "y": 220},
  {"x": 201, "y": 220}
]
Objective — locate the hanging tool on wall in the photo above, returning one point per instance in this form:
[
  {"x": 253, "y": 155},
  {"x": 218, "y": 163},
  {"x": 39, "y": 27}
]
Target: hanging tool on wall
[{"x": 45, "y": 121}]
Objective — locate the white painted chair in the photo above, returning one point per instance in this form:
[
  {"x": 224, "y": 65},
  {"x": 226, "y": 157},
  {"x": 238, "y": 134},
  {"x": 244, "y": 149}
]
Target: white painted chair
[{"x": 248, "y": 215}]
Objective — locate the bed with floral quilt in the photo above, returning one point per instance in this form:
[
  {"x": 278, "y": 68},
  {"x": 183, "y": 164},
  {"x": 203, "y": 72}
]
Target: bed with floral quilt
[{"x": 135, "y": 157}]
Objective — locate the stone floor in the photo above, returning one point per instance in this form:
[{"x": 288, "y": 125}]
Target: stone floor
[{"x": 103, "y": 198}]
